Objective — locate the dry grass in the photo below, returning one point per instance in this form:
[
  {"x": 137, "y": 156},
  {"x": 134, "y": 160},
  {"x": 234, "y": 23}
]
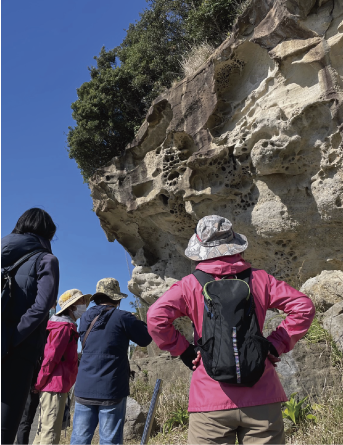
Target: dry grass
[
  {"x": 328, "y": 406},
  {"x": 317, "y": 334},
  {"x": 328, "y": 428},
  {"x": 175, "y": 436},
  {"x": 178, "y": 436},
  {"x": 192, "y": 60},
  {"x": 173, "y": 398},
  {"x": 141, "y": 391},
  {"x": 172, "y": 404}
]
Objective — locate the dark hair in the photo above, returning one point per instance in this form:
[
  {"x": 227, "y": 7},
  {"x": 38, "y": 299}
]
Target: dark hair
[
  {"x": 36, "y": 221},
  {"x": 66, "y": 311},
  {"x": 104, "y": 299}
]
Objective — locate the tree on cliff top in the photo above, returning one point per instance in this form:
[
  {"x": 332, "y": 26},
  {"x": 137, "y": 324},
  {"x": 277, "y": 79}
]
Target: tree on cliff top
[
  {"x": 112, "y": 105},
  {"x": 106, "y": 113}
]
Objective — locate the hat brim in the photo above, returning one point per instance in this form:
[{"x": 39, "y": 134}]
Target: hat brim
[
  {"x": 117, "y": 297},
  {"x": 71, "y": 301},
  {"x": 198, "y": 252}
]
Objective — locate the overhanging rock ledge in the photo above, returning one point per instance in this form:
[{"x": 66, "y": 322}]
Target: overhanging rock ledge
[{"x": 254, "y": 135}]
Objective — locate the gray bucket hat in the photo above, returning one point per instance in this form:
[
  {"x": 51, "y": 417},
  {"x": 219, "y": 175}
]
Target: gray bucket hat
[
  {"x": 109, "y": 287},
  {"x": 213, "y": 238}
]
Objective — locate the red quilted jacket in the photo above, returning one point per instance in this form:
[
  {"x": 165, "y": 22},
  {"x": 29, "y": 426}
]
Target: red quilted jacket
[{"x": 59, "y": 368}]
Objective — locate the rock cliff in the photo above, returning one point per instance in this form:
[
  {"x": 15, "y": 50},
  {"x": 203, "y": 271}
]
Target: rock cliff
[{"x": 254, "y": 135}]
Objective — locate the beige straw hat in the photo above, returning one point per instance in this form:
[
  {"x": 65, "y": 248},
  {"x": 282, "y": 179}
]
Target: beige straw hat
[{"x": 70, "y": 297}]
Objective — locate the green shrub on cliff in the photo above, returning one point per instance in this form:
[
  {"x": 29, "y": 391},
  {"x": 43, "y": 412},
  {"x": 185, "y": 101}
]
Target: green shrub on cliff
[
  {"x": 106, "y": 113},
  {"x": 113, "y": 104}
]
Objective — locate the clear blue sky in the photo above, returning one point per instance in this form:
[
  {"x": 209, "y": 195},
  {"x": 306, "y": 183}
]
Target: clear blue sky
[{"x": 46, "y": 49}]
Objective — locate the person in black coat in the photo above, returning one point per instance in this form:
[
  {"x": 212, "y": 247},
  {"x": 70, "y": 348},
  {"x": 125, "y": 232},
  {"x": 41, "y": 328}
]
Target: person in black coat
[
  {"x": 24, "y": 318},
  {"x": 102, "y": 383}
]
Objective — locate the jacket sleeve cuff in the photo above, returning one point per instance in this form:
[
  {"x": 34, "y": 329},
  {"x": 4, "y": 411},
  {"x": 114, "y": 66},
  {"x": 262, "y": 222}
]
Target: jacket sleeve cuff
[
  {"x": 279, "y": 346},
  {"x": 188, "y": 356}
]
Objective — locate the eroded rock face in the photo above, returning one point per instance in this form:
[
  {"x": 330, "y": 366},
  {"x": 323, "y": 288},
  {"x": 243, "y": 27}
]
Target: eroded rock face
[
  {"x": 254, "y": 135},
  {"x": 333, "y": 323}
]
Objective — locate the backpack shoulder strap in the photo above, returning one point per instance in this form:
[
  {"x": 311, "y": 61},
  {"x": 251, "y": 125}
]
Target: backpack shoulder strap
[
  {"x": 203, "y": 277},
  {"x": 89, "y": 330},
  {"x": 244, "y": 275},
  {"x": 39, "y": 259},
  {"x": 91, "y": 327},
  {"x": 23, "y": 259}
]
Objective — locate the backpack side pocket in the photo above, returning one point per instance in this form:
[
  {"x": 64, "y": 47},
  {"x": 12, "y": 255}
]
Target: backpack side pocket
[
  {"x": 252, "y": 356},
  {"x": 206, "y": 351}
]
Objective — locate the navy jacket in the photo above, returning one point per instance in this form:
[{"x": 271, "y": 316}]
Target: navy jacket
[
  {"x": 104, "y": 367},
  {"x": 23, "y": 323}
]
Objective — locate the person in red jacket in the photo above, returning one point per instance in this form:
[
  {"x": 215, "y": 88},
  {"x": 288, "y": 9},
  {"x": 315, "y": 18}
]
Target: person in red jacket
[
  {"x": 32, "y": 402},
  {"x": 220, "y": 412},
  {"x": 59, "y": 367}
]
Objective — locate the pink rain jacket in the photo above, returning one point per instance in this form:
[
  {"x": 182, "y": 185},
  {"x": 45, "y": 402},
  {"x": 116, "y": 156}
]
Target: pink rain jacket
[
  {"x": 185, "y": 298},
  {"x": 60, "y": 363}
]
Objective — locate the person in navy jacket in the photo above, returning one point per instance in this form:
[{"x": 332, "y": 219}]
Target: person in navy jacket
[{"x": 102, "y": 383}]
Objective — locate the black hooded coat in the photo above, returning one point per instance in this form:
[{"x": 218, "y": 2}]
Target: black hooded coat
[{"x": 35, "y": 288}]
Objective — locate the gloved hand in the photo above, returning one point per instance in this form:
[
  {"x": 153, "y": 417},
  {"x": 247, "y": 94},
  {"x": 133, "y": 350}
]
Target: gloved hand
[
  {"x": 188, "y": 356},
  {"x": 273, "y": 355},
  {"x": 272, "y": 350}
]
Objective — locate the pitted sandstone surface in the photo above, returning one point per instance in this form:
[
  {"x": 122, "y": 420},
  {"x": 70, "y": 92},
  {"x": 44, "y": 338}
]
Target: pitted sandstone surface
[{"x": 254, "y": 135}]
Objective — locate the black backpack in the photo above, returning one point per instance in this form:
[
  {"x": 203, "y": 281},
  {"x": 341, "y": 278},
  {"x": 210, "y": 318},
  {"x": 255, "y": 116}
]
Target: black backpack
[{"x": 232, "y": 346}]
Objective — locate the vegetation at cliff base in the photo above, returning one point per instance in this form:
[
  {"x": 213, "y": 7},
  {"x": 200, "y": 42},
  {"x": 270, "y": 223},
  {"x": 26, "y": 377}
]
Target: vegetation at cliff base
[
  {"x": 317, "y": 334},
  {"x": 126, "y": 79}
]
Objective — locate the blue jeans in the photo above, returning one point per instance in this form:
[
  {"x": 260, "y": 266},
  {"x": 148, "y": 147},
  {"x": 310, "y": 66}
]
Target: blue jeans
[{"x": 111, "y": 423}]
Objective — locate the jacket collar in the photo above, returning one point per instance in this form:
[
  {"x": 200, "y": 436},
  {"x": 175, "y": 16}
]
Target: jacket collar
[
  {"x": 225, "y": 265},
  {"x": 16, "y": 245},
  {"x": 101, "y": 311},
  {"x": 62, "y": 319},
  {"x": 44, "y": 242}
]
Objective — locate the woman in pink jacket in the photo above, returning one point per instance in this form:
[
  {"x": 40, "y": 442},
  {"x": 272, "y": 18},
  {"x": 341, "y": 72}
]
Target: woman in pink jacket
[
  {"x": 220, "y": 412},
  {"x": 59, "y": 367}
]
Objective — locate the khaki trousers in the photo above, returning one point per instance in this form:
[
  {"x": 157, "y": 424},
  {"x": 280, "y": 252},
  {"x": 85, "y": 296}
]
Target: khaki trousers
[
  {"x": 51, "y": 410},
  {"x": 261, "y": 424}
]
